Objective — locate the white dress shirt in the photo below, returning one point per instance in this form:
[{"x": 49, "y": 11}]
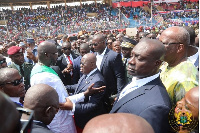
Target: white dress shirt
[
  {"x": 136, "y": 83},
  {"x": 63, "y": 121},
  {"x": 100, "y": 58},
  {"x": 71, "y": 58},
  {"x": 194, "y": 57}
]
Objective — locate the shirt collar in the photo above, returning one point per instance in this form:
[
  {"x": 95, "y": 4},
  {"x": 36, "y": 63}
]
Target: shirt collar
[
  {"x": 66, "y": 55},
  {"x": 15, "y": 99},
  {"x": 103, "y": 53},
  {"x": 91, "y": 73},
  {"x": 143, "y": 81}
]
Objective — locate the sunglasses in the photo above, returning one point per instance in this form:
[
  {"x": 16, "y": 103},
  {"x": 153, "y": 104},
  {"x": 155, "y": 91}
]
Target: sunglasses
[
  {"x": 95, "y": 44},
  {"x": 3, "y": 61},
  {"x": 15, "y": 82},
  {"x": 66, "y": 48}
]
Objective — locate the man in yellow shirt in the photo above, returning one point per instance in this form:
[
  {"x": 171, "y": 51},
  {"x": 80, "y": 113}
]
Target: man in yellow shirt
[{"x": 178, "y": 74}]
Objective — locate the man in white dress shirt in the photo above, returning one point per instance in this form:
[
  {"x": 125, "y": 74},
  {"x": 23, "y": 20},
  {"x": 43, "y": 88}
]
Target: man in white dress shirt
[{"x": 42, "y": 73}]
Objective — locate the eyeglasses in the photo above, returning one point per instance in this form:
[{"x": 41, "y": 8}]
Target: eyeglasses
[
  {"x": 167, "y": 44},
  {"x": 66, "y": 48},
  {"x": 15, "y": 82},
  {"x": 95, "y": 44},
  {"x": 2, "y": 61}
]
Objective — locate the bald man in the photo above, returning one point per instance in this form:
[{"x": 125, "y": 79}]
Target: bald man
[
  {"x": 93, "y": 105},
  {"x": 84, "y": 49},
  {"x": 189, "y": 104},
  {"x": 42, "y": 73},
  {"x": 178, "y": 74},
  {"x": 11, "y": 83},
  {"x": 118, "y": 123},
  {"x": 43, "y": 99},
  {"x": 10, "y": 117},
  {"x": 146, "y": 96}
]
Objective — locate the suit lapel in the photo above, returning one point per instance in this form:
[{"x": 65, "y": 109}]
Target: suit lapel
[
  {"x": 104, "y": 58},
  {"x": 85, "y": 82},
  {"x": 134, "y": 94}
]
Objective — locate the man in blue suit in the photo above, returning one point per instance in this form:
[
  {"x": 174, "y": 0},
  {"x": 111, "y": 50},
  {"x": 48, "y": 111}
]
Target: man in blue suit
[
  {"x": 92, "y": 105},
  {"x": 109, "y": 63},
  {"x": 84, "y": 49},
  {"x": 146, "y": 96}
]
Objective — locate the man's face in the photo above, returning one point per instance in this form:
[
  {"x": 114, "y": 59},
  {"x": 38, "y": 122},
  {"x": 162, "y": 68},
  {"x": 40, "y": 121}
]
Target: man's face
[
  {"x": 171, "y": 48},
  {"x": 85, "y": 66},
  {"x": 116, "y": 47},
  {"x": 109, "y": 44},
  {"x": 186, "y": 104},
  {"x": 66, "y": 48},
  {"x": 141, "y": 63},
  {"x": 126, "y": 52},
  {"x": 3, "y": 62},
  {"x": 83, "y": 52},
  {"x": 18, "y": 58},
  {"x": 98, "y": 44},
  {"x": 14, "y": 87}
]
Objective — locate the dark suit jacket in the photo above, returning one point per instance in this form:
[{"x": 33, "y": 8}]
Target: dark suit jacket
[
  {"x": 113, "y": 72},
  {"x": 27, "y": 72},
  {"x": 76, "y": 70},
  {"x": 62, "y": 64},
  {"x": 92, "y": 105},
  {"x": 40, "y": 128},
  {"x": 151, "y": 102}
]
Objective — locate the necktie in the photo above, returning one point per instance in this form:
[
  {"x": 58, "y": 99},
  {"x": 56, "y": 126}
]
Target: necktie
[
  {"x": 21, "y": 70},
  {"x": 70, "y": 61}
]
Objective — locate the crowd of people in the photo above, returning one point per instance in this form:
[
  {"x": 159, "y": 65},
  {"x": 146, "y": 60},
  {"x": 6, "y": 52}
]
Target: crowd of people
[{"x": 100, "y": 81}]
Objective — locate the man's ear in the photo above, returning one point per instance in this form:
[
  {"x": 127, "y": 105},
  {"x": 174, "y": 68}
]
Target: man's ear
[
  {"x": 47, "y": 111},
  {"x": 158, "y": 63},
  {"x": 180, "y": 48}
]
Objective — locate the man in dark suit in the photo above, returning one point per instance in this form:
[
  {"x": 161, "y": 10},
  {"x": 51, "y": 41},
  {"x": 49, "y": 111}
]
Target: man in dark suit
[
  {"x": 24, "y": 68},
  {"x": 11, "y": 83},
  {"x": 146, "y": 96},
  {"x": 84, "y": 49},
  {"x": 65, "y": 63},
  {"x": 92, "y": 105},
  {"x": 43, "y": 99},
  {"x": 110, "y": 65}
]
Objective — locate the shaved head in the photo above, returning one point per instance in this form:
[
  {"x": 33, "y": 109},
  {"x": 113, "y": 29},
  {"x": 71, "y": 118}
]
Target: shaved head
[
  {"x": 6, "y": 74},
  {"x": 40, "y": 97},
  {"x": 118, "y": 123},
  {"x": 47, "y": 53}
]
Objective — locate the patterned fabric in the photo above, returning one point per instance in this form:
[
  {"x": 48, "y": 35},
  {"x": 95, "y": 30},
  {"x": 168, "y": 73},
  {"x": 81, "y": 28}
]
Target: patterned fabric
[{"x": 179, "y": 79}]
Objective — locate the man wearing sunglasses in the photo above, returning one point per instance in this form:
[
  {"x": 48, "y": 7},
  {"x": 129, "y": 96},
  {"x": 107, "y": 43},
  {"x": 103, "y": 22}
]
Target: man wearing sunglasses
[
  {"x": 110, "y": 65},
  {"x": 24, "y": 68},
  {"x": 11, "y": 83},
  {"x": 2, "y": 61},
  {"x": 65, "y": 63},
  {"x": 178, "y": 73}
]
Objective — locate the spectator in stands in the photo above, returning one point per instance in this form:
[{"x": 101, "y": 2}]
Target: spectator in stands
[
  {"x": 178, "y": 74},
  {"x": 11, "y": 83},
  {"x": 43, "y": 100},
  {"x": 10, "y": 118},
  {"x": 118, "y": 123}
]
